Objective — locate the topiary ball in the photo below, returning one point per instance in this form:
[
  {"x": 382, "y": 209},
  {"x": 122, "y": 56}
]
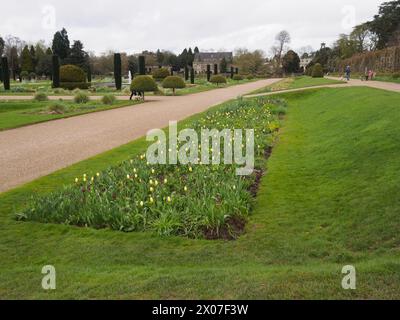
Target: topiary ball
[{"x": 144, "y": 84}]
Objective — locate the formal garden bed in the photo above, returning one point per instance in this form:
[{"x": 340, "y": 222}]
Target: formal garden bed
[
  {"x": 187, "y": 200},
  {"x": 14, "y": 114}
]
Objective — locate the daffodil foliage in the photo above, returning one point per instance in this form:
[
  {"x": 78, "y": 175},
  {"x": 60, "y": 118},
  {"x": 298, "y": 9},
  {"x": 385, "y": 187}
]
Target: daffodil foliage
[{"x": 178, "y": 199}]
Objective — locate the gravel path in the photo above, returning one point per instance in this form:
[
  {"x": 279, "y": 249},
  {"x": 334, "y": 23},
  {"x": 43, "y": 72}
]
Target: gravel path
[{"x": 31, "y": 152}]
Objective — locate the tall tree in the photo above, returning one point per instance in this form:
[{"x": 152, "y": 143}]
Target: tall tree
[
  {"x": 2, "y": 45},
  {"x": 14, "y": 62},
  {"x": 32, "y": 52},
  {"x": 291, "y": 62},
  {"x": 6, "y": 73},
  {"x": 282, "y": 39},
  {"x": 26, "y": 61},
  {"x": 44, "y": 64},
  {"x": 190, "y": 57},
  {"x": 61, "y": 44},
  {"x": 196, "y": 50},
  {"x": 386, "y": 22},
  {"x": 118, "y": 71},
  {"x": 78, "y": 56}
]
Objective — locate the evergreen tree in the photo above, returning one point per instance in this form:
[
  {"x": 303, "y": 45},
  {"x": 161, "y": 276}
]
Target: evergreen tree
[
  {"x": 191, "y": 75},
  {"x": 78, "y": 56},
  {"x": 118, "y": 71},
  {"x": 2, "y": 45},
  {"x": 142, "y": 65},
  {"x": 196, "y": 50},
  {"x": 6, "y": 73},
  {"x": 190, "y": 57},
  {"x": 61, "y": 44},
  {"x": 26, "y": 60},
  {"x": 186, "y": 73},
  {"x": 208, "y": 73},
  {"x": 291, "y": 62},
  {"x": 14, "y": 62},
  {"x": 34, "y": 59},
  {"x": 133, "y": 65}
]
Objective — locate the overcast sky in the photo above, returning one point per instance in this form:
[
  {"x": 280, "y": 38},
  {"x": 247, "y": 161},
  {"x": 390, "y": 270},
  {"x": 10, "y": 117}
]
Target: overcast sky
[{"x": 132, "y": 26}]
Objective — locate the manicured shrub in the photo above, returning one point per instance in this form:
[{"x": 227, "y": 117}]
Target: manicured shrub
[
  {"x": 218, "y": 79},
  {"x": 108, "y": 99},
  {"x": 81, "y": 97},
  {"x": 74, "y": 85},
  {"x": 317, "y": 71},
  {"x": 142, "y": 65},
  {"x": 250, "y": 77},
  {"x": 71, "y": 73},
  {"x": 160, "y": 74},
  {"x": 232, "y": 72},
  {"x": 32, "y": 75},
  {"x": 118, "y": 71},
  {"x": 59, "y": 91},
  {"x": 237, "y": 77},
  {"x": 144, "y": 84},
  {"x": 40, "y": 96},
  {"x": 72, "y": 77},
  {"x": 215, "y": 69},
  {"x": 56, "y": 71},
  {"x": 57, "y": 108},
  {"x": 6, "y": 73},
  {"x": 173, "y": 82}
]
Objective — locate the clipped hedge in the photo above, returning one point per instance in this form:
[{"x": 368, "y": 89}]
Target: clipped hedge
[
  {"x": 160, "y": 74},
  {"x": 75, "y": 85},
  {"x": 238, "y": 77},
  {"x": 318, "y": 71},
  {"x": 173, "y": 82},
  {"x": 218, "y": 80},
  {"x": 71, "y": 73}
]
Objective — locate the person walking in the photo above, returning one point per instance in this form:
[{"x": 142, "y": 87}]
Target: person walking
[
  {"x": 348, "y": 73},
  {"x": 371, "y": 75}
]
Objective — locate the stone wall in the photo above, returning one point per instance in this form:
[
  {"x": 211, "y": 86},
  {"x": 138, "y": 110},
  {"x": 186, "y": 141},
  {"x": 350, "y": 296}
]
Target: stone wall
[{"x": 383, "y": 61}]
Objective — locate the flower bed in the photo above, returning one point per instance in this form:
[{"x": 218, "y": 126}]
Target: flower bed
[{"x": 198, "y": 201}]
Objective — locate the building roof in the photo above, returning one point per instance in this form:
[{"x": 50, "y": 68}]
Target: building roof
[{"x": 205, "y": 56}]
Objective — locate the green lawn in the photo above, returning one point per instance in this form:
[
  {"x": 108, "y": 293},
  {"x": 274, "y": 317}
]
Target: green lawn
[
  {"x": 329, "y": 199},
  {"x": 296, "y": 83},
  {"x": 14, "y": 114}
]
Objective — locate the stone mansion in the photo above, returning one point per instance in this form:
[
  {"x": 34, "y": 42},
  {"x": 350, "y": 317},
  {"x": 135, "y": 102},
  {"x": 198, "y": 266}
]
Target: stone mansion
[{"x": 202, "y": 59}]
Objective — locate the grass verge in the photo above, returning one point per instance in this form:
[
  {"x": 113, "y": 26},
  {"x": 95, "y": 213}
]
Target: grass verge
[
  {"x": 15, "y": 114},
  {"x": 296, "y": 83}
]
